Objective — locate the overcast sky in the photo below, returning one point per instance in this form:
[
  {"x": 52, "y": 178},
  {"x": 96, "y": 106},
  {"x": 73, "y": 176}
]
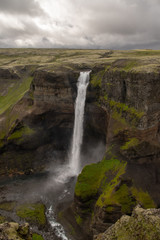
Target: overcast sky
[{"x": 111, "y": 24}]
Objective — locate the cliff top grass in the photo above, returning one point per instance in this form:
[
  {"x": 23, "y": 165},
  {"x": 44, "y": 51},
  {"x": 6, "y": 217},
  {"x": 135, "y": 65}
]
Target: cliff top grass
[
  {"x": 14, "y": 94},
  {"x": 137, "y": 60}
]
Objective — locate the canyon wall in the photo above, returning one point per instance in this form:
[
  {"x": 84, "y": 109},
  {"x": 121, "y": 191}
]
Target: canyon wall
[
  {"x": 36, "y": 132},
  {"x": 129, "y": 172},
  {"x": 122, "y": 111}
]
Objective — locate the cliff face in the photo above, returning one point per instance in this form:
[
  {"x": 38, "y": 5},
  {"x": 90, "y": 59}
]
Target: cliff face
[
  {"x": 40, "y": 124},
  {"x": 129, "y": 171}
]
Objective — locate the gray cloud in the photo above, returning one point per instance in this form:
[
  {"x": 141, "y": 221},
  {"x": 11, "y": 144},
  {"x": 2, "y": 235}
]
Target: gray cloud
[
  {"x": 118, "y": 24},
  {"x": 30, "y": 7}
]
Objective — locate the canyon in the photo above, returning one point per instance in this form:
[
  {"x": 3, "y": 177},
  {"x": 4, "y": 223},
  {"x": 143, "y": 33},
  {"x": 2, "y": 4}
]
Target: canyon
[{"x": 121, "y": 143}]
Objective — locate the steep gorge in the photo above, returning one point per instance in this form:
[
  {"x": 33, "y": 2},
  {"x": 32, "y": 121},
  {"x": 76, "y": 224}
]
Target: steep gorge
[{"x": 122, "y": 111}]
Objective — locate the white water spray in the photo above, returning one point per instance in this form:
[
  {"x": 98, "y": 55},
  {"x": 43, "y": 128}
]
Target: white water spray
[
  {"x": 74, "y": 162},
  {"x": 57, "y": 227}
]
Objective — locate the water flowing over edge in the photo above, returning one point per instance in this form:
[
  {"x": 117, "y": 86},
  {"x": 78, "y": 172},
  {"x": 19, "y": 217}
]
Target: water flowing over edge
[
  {"x": 72, "y": 168},
  {"x": 74, "y": 156}
]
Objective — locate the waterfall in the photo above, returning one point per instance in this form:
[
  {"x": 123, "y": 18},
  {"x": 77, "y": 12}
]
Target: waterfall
[{"x": 74, "y": 162}]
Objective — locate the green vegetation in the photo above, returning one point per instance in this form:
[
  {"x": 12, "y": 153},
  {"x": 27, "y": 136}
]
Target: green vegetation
[
  {"x": 7, "y": 206},
  {"x": 8, "y": 124},
  {"x": 36, "y": 236},
  {"x": 19, "y": 133},
  {"x": 120, "y": 122},
  {"x": 120, "y": 197},
  {"x": 14, "y": 94},
  {"x": 123, "y": 115},
  {"x": 143, "y": 198},
  {"x": 122, "y": 107},
  {"x": 92, "y": 177},
  {"x": 131, "y": 143},
  {"x": 97, "y": 78},
  {"x": 148, "y": 60},
  {"x": 109, "y": 209},
  {"x": 2, "y": 219},
  {"x": 125, "y": 197},
  {"x": 130, "y": 65},
  {"x": 78, "y": 220},
  {"x": 33, "y": 213},
  {"x": 106, "y": 198},
  {"x": 104, "y": 179}
]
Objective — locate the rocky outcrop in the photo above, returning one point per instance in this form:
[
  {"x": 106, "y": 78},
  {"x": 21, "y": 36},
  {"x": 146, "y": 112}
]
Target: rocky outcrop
[
  {"x": 142, "y": 224},
  {"x": 13, "y": 231}
]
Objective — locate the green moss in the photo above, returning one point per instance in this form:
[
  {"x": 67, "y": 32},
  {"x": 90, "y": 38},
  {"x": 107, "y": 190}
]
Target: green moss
[
  {"x": 105, "y": 97},
  {"x": 125, "y": 197},
  {"x": 90, "y": 180},
  {"x": 108, "y": 196},
  {"x": 23, "y": 131},
  {"x": 7, "y": 206},
  {"x": 122, "y": 197},
  {"x": 14, "y": 94},
  {"x": 78, "y": 220},
  {"x": 123, "y": 115},
  {"x": 36, "y": 236},
  {"x": 97, "y": 78},
  {"x": 33, "y": 213},
  {"x": 118, "y": 117},
  {"x": 109, "y": 209},
  {"x": 130, "y": 65},
  {"x": 1, "y": 143},
  {"x": 8, "y": 124},
  {"x": 2, "y": 219},
  {"x": 122, "y": 107},
  {"x": 131, "y": 143},
  {"x": 143, "y": 198}
]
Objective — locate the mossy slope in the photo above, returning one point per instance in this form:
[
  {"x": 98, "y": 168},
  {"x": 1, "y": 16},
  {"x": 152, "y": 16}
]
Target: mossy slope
[
  {"x": 103, "y": 193},
  {"x": 14, "y": 94},
  {"x": 33, "y": 213}
]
